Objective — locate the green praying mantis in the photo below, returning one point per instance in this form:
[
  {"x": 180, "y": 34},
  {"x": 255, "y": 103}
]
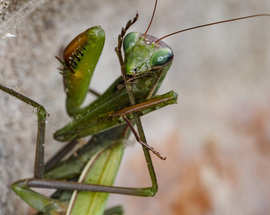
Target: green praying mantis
[{"x": 109, "y": 119}]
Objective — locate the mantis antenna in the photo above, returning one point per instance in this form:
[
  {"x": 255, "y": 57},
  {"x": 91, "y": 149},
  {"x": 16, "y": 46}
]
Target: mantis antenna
[
  {"x": 154, "y": 11},
  {"x": 212, "y": 23}
]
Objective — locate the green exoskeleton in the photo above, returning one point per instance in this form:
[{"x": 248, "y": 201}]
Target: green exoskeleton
[
  {"x": 90, "y": 171},
  {"x": 107, "y": 118}
]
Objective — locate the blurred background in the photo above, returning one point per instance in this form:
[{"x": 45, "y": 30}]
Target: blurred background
[{"x": 216, "y": 139}]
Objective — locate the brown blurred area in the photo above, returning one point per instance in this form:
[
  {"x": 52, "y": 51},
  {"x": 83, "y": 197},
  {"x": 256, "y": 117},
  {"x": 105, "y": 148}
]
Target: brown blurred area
[{"x": 216, "y": 139}]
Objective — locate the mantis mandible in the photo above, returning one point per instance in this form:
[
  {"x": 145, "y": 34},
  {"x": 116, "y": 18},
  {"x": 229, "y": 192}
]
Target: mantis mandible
[{"x": 74, "y": 111}]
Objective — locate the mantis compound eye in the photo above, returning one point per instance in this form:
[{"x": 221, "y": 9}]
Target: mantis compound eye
[
  {"x": 130, "y": 40},
  {"x": 161, "y": 57}
]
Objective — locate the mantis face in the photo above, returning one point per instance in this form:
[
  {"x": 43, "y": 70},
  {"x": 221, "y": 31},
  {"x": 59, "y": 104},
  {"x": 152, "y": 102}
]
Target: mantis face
[{"x": 143, "y": 54}]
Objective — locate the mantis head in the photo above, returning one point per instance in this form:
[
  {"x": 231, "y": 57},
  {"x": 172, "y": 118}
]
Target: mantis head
[{"x": 143, "y": 54}]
